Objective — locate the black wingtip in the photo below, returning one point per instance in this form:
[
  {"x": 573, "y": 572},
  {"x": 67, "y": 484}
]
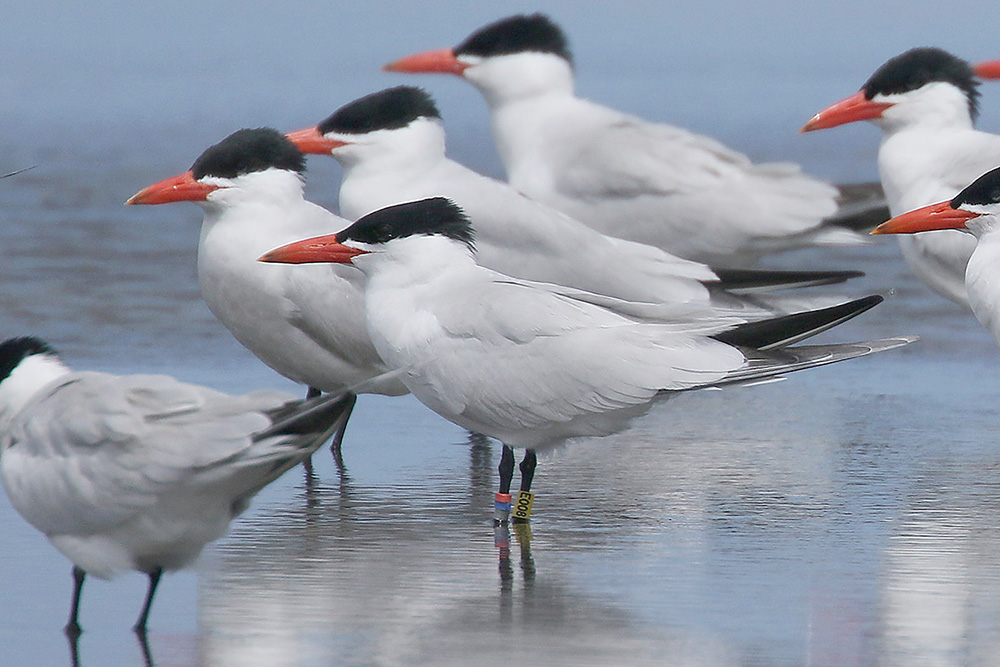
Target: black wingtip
[
  {"x": 860, "y": 207},
  {"x": 783, "y": 331},
  {"x": 312, "y": 415},
  {"x": 863, "y": 220}
]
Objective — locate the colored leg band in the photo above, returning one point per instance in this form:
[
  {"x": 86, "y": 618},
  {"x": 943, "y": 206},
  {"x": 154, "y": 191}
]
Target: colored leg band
[
  {"x": 501, "y": 507},
  {"x": 522, "y": 508}
]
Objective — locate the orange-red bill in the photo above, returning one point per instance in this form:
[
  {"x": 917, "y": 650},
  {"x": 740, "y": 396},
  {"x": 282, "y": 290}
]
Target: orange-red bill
[
  {"x": 309, "y": 140},
  {"x": 319, "y": 249},
  {"x": 440, "y": 60},
  {"x": 989, "y": 69},
  {"x": 850, "y": 109},
  {"x": 182, "y": 187},
  {"x": 927, "y": 219}
]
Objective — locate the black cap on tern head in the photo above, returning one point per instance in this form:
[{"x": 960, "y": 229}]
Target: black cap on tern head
[
  {"x": 436, "y": 215},
  {"x": 15, "y": 350},
  {"x": 247, "y": 151},
  {"x": 918, "y": 67},
  {"x": 517, "y": 34},
  {"x": 983, "y": 191},
  {"x": 389, "y": 109}
]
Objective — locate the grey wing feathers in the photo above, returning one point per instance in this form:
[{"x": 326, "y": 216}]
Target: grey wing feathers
[
  {"x": 756, "y": 281},
  {"x": 636, "y": 158},
  {"x": 763, "y": 365},
  {"x": 860, "y": 206},
  {"x": 112, "y": 444}
]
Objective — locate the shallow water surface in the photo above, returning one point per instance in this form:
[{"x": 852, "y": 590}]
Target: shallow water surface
[{"x": 847, "y": 516}]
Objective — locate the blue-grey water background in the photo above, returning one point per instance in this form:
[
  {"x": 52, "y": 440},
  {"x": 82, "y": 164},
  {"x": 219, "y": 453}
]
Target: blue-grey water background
[{"x": 847, "y": 516}]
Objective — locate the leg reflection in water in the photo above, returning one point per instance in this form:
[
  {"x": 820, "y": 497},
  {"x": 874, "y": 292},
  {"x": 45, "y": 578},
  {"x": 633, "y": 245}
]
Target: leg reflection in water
[{"x": 501, "y": 539}]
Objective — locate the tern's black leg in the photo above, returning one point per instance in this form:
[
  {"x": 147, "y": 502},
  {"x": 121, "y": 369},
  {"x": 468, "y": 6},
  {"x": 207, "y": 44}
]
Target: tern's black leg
[
  {"x": 147, "y": 654},
  {"x": 338, "y": 437},
  {"x": 506, "y": 469},
  {"x": 501, "y": 505},
  {"x": 73, "y": 626},
  {"x": 74, "y": 649},
  {"x": 528, "y": 469},
  {"x": 154, "y": 581},
  {"x": 307, "y": 462},
  {"x": 522, "y": 507}
]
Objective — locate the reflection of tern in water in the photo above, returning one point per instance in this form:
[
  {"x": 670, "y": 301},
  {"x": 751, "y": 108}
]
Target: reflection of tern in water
[
  {"x": 375, "y": 580},
  {"x": 678, "y": 531}
]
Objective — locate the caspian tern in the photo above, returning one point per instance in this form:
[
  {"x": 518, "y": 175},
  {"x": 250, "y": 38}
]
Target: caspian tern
[
  {"x": 140, "y": 472},
  {"x": 392, "y": 147},
  {"x": 309, "y": 326},
  {"x": 925, "y": 101},
  {"x": 628, "y": 177},
  {"x": 527, "y": 365},
  {"x": 976, "y": 211}
]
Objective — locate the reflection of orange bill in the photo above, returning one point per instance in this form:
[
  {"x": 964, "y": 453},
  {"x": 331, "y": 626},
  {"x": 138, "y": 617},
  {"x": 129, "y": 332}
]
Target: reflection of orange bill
[{"x": 522, "y": 508}]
